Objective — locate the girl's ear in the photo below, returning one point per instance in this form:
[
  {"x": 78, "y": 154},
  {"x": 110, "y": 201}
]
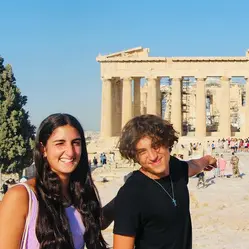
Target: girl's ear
[{"x": 43, "y": 150}]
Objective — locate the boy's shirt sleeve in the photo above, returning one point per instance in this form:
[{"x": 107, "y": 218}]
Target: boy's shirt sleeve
[
  {"x": 126, "y": 219},
  {"x": 180, "y": 169}
]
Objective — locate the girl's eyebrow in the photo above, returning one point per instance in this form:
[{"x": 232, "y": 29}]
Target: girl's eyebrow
[
  {"x": 63, "y": 140},
  {"x": 77, "y": 139},
  {"x": 58, "y": 140}
]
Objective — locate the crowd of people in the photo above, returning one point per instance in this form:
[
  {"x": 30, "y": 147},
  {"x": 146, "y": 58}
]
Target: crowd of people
[
  {"x": 234, "y": 144},
  {"x": 102, "y": 159},
  {"x": 220, "y": 145},
  {"x": 221, "y": 169}
]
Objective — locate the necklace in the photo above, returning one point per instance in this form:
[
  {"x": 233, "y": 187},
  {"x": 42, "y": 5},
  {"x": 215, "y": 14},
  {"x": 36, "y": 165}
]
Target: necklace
[{"x": 172, "y": 187}]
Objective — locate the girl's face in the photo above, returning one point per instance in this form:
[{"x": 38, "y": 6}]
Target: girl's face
[{"x": 63, "y": 150}]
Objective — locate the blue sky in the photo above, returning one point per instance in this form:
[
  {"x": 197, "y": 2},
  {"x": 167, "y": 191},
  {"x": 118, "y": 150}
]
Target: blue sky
[{"x": 52, "y": 45}]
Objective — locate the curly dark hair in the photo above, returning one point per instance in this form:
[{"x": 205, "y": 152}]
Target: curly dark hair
[
  {"x": 160, "y": 131},
  {"x": 52, "y": 227}
]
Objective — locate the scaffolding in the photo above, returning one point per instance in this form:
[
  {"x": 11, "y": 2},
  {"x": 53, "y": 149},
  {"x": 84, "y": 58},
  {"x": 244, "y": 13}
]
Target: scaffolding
[
  {"x": 186, "y": 116},
  {"x": 165, "y": 101},
  {"x": 212, "y": 113},
  {"x": 188, "y": 105}
]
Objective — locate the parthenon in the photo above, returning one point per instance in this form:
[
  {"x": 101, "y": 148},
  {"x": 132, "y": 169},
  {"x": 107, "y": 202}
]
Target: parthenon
[{"x": 200, "y": 96}]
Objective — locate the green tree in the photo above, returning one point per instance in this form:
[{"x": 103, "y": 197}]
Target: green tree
[{"x": 16, "y": 131}]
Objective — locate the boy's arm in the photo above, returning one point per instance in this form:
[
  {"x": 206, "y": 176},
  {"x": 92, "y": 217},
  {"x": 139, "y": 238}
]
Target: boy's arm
[
  {"x": 127, "y": 213},
  {"x": 123, "y": 242},
  {"x": 108, "y": 214},
  {"x": 195, "y": 166}
]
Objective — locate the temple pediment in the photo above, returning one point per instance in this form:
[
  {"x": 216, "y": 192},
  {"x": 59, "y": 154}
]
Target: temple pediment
[{"x": 133, "y": 52}]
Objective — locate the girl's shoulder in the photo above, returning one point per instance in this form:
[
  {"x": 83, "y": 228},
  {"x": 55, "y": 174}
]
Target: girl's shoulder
[
  {"x": 16, "y": 196},
  {"x": 19, "y": 194}
]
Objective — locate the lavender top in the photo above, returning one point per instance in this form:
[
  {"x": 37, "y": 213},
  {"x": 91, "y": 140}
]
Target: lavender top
[{"x": 75, "y": 222}]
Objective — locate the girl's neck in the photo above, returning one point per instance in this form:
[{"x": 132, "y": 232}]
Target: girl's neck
[{"x": 65, "y": 187}]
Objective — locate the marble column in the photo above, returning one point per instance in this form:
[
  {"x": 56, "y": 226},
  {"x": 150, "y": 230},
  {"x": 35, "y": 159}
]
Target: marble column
[
  {"x": 246, "y": 119},
  {"x": 106, "y": 108},
  {"x": 127, "y": 106},
  {"x": 143, "y": 109},
  {"x": 225, "y": 121},
  {"x": 200, "y": 121},
  {"x": 152, "y": 96},
  {"x": 159, "y": 98},
  {"x": 117, "y": 107},
  {"x": 176, "y": 104},
  {"x": 137, "y": 100}
]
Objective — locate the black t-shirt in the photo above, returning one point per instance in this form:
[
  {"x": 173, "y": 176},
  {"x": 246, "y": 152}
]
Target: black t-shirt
[{"x": 144, "y": 210}]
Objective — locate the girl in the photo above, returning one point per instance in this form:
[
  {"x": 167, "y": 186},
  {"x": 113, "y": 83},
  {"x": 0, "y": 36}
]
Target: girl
[
  {"x": 66, "y": 211},
  {"x": 222, "y": 163}
]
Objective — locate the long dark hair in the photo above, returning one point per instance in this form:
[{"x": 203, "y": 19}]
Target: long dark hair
[{"x": 52, "y": 227}]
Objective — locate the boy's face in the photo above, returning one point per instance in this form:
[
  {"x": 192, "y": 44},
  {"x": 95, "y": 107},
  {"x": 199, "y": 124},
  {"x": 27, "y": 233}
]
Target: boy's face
[{"x": 154, "y": 160}]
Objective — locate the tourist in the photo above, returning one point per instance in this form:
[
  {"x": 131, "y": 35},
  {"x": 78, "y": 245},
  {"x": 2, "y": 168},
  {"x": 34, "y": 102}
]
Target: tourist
[
  {"x": 95, "y": 162},
  {"x": 226, "y": 145},
  {"x": 236, "y": 145},
  {"x": 221, "y": 165},
  {"x": 23, "y": 179},
  {"x": 5, "y": 188},
  {"x": 201, "y": 179},
  {"x": 232, "y": 144},
  {"x": 66, "y": 211},
  {"x": 104, "y": 159},
  {"x": 217, "y": 169},
  {"x": 213, "y": 147},
  {"x": 235, "y": 165},
  {"x": 208, "y": 149},
  {"x": 112, "y": 157},
  {"x": 152, "y": 208},
  {"x": 101, "y": 158},
  {"x": 190, "y": 149}
]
